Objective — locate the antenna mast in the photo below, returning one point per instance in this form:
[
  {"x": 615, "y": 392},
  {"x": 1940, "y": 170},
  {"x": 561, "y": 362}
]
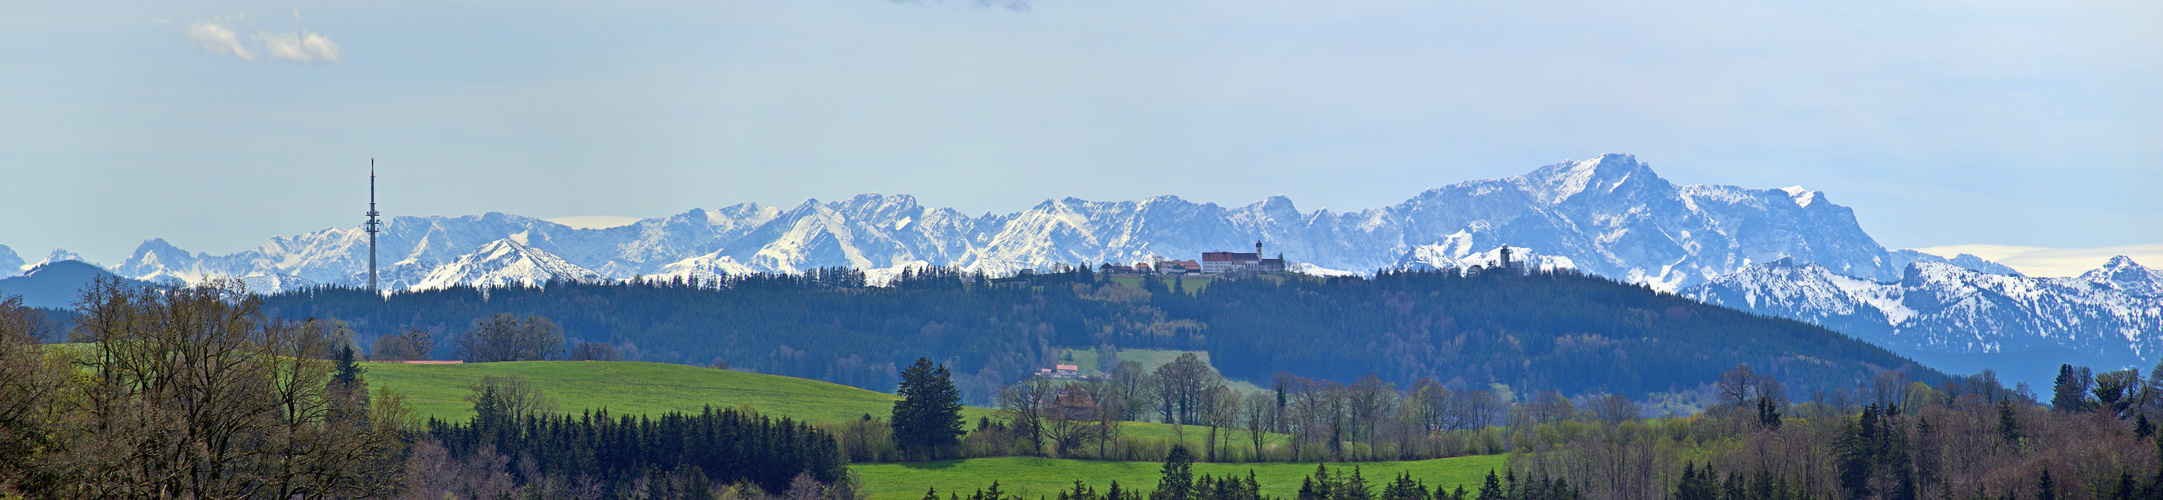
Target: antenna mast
[{"x": 373, "y": 226}]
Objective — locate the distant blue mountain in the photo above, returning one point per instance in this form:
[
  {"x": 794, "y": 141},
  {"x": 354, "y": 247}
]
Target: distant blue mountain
[{"x": 57, "y": 284}]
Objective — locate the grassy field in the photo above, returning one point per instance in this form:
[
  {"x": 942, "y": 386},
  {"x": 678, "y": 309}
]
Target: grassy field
[
  {"x": 627, "y": 387},
  {"x": 1031, "y": 477}
]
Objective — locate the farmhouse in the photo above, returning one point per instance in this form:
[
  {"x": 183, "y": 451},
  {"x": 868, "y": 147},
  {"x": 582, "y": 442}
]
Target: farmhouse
[{"x": 1179, "y": 267}]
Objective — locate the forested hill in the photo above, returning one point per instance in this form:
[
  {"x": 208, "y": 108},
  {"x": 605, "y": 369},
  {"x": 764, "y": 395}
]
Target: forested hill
[
  {"x": 1560, "y": 331},
  {"x": 1566, "y": 332}
]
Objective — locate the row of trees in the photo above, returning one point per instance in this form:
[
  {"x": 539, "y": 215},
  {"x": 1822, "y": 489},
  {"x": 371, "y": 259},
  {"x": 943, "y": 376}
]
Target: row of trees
[
  {"x": 596, "y": 455},
  {"x": 501, "y": 337},
  {"x": 1299, "y": 418},
  {"x": 1964, "y": 439},
  {"x": 1305, "y": 419},
  {"x": 1177, "y": 481}
]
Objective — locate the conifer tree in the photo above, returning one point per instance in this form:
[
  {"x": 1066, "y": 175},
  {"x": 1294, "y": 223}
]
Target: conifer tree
[
  {"x": 1491, "y": 489},
  {"x": 2070, "y": 391},
  {"x": 1178, "y": 480},
  {"x": 927, "y": 419},
  {"x": 2008, "y": 422},
  {"x": 1355, "y": 488}
]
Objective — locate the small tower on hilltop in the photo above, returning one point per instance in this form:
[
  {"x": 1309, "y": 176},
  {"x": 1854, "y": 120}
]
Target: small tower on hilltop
[
  {"x": 1505, "y": 264},
  {"x": 373, "y": 226}
]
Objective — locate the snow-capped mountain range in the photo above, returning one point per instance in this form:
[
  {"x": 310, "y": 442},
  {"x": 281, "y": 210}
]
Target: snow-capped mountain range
[
  {"x": 1789, "y": 252},
  {"x": 1609, "y": 215}
]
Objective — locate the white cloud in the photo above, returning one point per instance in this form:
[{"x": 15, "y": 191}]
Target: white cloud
[
  {"x": 2054, "y": 262},
  {"x": 219, "y": 37},
  {"x": 300, "y": 46},
  {"x": 219, "y": 40}
]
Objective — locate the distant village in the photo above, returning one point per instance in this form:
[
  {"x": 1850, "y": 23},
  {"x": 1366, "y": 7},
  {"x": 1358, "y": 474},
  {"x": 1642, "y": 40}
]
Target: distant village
[{"x": 1211, "y": 263}]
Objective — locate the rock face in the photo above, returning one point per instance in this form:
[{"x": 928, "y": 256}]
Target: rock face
[
  {"x": 2114, "y": 312},
  {"x": 1610, "y": 215}
]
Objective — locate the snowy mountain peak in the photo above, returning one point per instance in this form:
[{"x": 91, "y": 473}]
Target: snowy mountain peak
[
  {"x": 500, "y": 263},
  {"x": 2119, "y": 262},
  {"x": 1555, "y": 183},
  {"x": 2124, "y": 275},
  {"x": 58, "y": 255}
]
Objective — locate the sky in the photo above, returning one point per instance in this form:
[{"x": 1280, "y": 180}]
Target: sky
[{"x": 220, "y": 124}]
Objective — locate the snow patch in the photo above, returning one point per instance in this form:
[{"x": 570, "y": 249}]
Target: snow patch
[{"x": 1802, "y": 197}]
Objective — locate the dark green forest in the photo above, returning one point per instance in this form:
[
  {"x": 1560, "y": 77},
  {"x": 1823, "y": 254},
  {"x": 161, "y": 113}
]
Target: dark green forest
[{"x": 1565, "y": 332}]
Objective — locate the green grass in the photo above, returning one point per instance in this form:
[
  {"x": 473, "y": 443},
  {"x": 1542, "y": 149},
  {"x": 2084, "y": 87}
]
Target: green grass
[
  {"x": 1032, "y": 477},
  {"x": 628, "y": 388}
]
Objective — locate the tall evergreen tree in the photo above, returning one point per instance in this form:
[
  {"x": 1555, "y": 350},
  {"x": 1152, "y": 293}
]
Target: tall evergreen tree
[
  {"x": 2008, "y": 422},
  {"x": 1491, "y": 488},
  {"x": 1178, "y": 480},
  {"x": 1859, "y": 452},
  {"x": 2070, "y": 391},
  {"x": 1355, "y": 488},
  {"x": 927, "y": 419}
]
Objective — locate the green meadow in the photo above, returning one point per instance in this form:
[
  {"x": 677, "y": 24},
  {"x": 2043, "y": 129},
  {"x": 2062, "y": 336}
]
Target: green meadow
[
  {"x": 1032, "y": 477},
  {"x": 630, "y": 388}
]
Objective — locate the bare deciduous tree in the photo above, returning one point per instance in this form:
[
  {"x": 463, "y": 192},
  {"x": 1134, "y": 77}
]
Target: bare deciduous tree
[
  {"x": 506, "y": 337},
  {"x": 192, "y": 392},
  {"x": 508, "y": 399},
  {"x": 408, "y": 346}
]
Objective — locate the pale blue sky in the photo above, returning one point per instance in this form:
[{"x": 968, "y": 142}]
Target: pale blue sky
[{"x": 1942, "y": 123}]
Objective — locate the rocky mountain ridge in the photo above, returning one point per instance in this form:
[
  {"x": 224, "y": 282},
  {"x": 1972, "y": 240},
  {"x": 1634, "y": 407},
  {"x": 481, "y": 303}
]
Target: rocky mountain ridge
[{"x": 1610, "y": 215}]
